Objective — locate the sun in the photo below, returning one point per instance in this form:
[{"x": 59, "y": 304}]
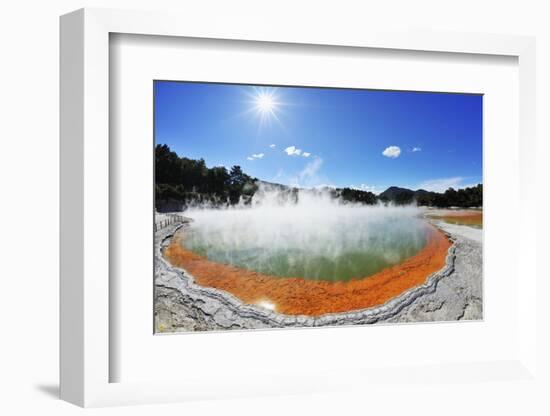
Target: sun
[{"x": 265, "y": 105}]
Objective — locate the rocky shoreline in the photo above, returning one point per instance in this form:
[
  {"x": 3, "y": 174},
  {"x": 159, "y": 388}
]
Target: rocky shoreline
[
  {"x": 460, "y": 295},
  {"x": 452, "y": 293}
]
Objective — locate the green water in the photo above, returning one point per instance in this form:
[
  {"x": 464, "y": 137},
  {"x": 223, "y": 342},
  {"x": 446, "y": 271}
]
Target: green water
[{"x": 338, "y": 251}]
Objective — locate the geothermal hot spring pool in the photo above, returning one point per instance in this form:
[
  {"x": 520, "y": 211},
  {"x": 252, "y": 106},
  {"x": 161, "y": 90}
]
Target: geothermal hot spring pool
[
  {"x": 339, "y": 244},
  {"x": 311, "y": 258}
]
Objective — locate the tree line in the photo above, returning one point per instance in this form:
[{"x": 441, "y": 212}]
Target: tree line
[
  {"x": 181, "y": 182},
  {"x": 462, "y": 198}
]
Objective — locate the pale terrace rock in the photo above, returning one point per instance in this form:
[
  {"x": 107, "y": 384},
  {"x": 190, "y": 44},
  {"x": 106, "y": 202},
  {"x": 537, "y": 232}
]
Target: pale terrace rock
[
  {"x": 459, "y": 296},
  {"x": 453, "y": 293}
]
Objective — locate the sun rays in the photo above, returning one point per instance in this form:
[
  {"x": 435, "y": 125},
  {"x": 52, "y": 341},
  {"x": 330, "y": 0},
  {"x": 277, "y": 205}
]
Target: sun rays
[{"x": 265, "y": 105}]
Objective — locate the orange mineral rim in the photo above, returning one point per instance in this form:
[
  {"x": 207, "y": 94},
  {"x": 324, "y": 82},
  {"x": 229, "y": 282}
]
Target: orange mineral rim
[{"x": 300, "y": 296}]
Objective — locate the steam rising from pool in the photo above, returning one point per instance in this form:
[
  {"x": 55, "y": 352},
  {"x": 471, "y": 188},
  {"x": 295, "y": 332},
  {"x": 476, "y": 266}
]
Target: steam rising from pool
[{"x": 317, "y": 237}]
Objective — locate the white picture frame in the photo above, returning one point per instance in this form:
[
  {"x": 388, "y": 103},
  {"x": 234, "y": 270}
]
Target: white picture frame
[{"x": 85, "y": 220}]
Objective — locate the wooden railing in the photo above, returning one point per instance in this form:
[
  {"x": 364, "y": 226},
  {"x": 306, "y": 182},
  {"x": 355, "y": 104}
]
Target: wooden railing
[{"x": 168, "y": 220}]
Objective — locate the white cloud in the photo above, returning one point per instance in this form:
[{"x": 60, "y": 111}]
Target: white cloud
[
  {"x": 293, "y": 151},
  {"x": 392, "y": 152},
  {"x": 280, "y": 176},
  {"x": 442, "y": 184},
  {"x": 290, "y": 150},
  {"x": 417, "y": 149},
  {"x": 309, "y": 175},
  {"x": 368, "y": 188},
  {"x": 272, "y": 146},
  {"x": 256, "y": 156},
  {"x": 324, "y": 185}
]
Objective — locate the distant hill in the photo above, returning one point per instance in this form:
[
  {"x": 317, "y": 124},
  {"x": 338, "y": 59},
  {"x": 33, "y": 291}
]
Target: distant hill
[
  {"x": 395, "y": 193},
  {"x": 467, "y": 197},
  {"x": 403, "y": 195}
]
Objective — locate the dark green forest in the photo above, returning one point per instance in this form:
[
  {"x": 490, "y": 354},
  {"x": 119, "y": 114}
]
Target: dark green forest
[
  {"x": 181, "y": 182},
  {"x": 462, "y": 198}
]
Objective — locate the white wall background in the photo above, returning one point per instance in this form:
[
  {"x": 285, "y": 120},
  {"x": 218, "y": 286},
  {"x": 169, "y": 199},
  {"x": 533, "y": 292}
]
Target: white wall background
[{"x": 29, "y": 218}]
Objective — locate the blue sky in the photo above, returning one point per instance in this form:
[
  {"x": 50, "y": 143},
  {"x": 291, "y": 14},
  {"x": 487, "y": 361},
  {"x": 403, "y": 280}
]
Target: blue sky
[{"x": 322, "y": 136}]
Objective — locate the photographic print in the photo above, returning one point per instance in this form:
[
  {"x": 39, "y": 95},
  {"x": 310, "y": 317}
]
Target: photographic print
[{"x": 289, "y": 206}]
